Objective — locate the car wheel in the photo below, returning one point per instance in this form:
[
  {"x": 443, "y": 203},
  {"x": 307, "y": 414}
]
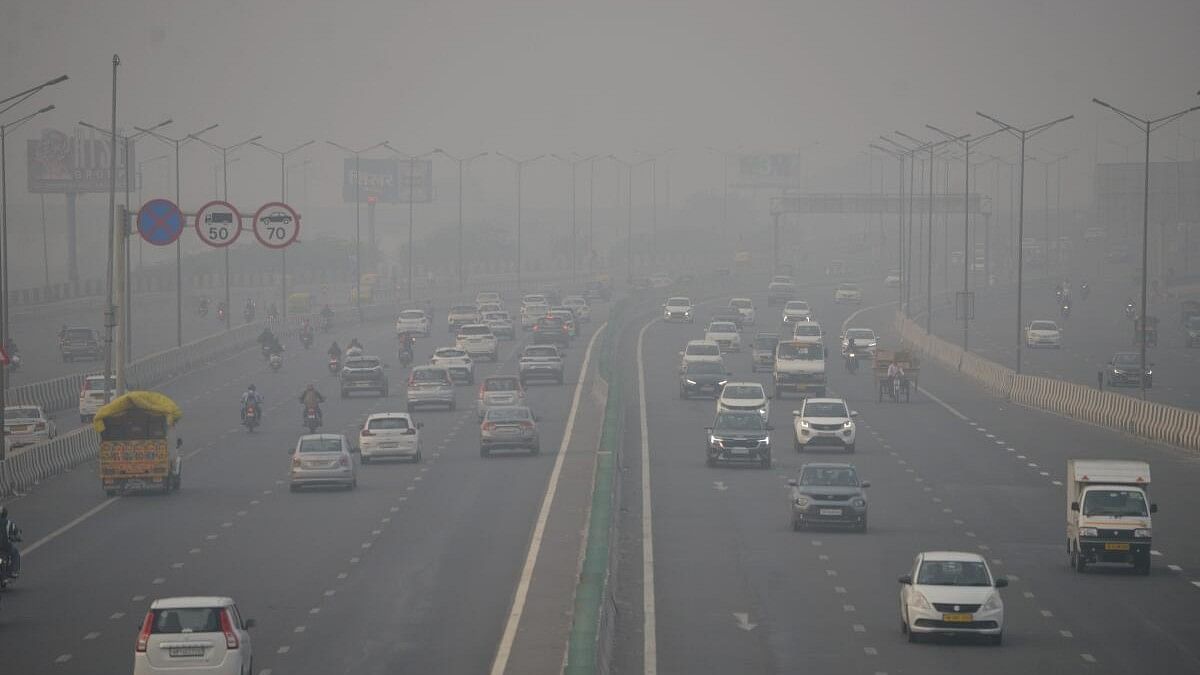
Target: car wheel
[
  {"x": 417, "y": 458},
  {"x": 536, "y": 449},
  {"x": 797, "y": 524},
  {"x": 83, "y": 419},
  {"x": 1079, "y": 559},
  {"x": 862, "y": 526},
  {"x": 365, "y": 459},
  {"x": 998, "y": 639}
]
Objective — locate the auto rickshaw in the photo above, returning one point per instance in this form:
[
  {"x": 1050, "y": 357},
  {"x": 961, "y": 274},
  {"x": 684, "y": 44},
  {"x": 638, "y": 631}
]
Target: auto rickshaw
[{"x": 139, "y": 450}]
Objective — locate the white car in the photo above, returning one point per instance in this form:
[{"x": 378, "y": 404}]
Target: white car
[
  {"x": 477, "y": 340},
  {"x": 865, "y": 340},
  {"x": 579, "y": 305},
  {"x": 827, "y": 422},
  {"x": 745, "y": 307},
  {"x": 1043, "y": 334},
  {"x": 487, "y": 297},
  {"x": 322, "y": 460},
  {"x": 534, "y": 299},
  {"x": 457, "y": 362},
  {"x": 679, "y": 309},
  {"x": 847, "y": 293},
  {"x": 413, "y": 321},
  {"x": 392, "y": 434},
  {"x": 660, "y": 280},
  {"x": 531, "y": 312},
  {"x": 91, "y": 396},
  {"x": 892, "y": 280},
  {"x": 808, "y": 333},
  {"x": 194, "y": 635},
  {"x": 796, "y": 311},
  {"x": 745, "y": 396},
  {"x": 700, "y": 350},
  {"x": 484, "y": 308},
  {"x": 725, "y": 334},
  {"x": 947, "y": 593},
  {"x": 501, "y": 325},
  {"x": 27, "y": 425}
]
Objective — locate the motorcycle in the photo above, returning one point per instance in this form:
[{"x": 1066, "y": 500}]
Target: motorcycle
[
  {"x": 248, "y": 313},
  {"x": 335, "y": 365},
  {"x": 326, "y": 324},
  {"x": 1130, "y": 312},
  {"x": 312, "y": 419},
  {"x": 1066, "y": 310},
  {"x": 251, "y": 417},
  {"x": 275, "y": 361},
  {"x": 14, "y": 363},
  {"x": 1084, "y": 289},
  {"x": 851, "y": 362},
  {"x": 7, "y": 572},
  {"x": 306, "y": 338},
  {"x": 221, "y": 314}
]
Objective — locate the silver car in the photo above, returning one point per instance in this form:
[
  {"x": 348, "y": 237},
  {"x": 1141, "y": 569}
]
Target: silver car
[
  {"x": 323, "y": 459},
  {"x": 509, "y": 428},
  {"x": 429, "y": 385}
]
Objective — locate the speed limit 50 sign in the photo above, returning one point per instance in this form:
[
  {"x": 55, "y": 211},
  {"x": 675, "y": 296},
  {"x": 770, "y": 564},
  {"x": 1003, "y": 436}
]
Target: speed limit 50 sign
[
  {"x": 276, "y": 225},
  {"x": 218, "y": 224}
]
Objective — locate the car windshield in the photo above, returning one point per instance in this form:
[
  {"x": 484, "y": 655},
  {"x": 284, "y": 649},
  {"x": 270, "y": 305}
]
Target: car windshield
[
  {"x": 860, "y": 334},
  {"x": 743, "y": 391},
  {"x": 362, "y": 363},
  {"x": 541, "y": 351},
  {"x": 825, "y": 409},
  {"x": 500, "y": 384},
  {"x": 790, "y": 351},
  {"x": 1115, "y": 503},
  {"x": 22, "y": 413},
  {"x": 412, "y": 314},
  {"x": 176, "y": 621},
  {"x": 429, "y": 375},
  {"x": 1128, "y": 359},
  {"x": 766, "y": 342},
  {"x": 1043, "y": 325},
  {"x": 706, "y": 368},
  {"x": 97, "y": 382},
  {"x": 703, "y": 350},
  {"x": 825, "y": 476},
  {"x": 387, "y": 423},
  {"x": 534, "y": 300},
  {"x": 508, "y": 414},
  {"x": 953, "y": 573},
  {"x": 722, "y": 327},
  {"x": 462, "y": 309},
  {"x": 79, "y": 334},
  {"x": 678, "y": 302},
  {"x": 797, "y": 305},
  {"x": 807, "y": 329},
  {"x": 740, "y": 422},
  {"x": 321, "y": 445},
  {"x": 741, "y": 304},
  {"x": 475, "y": 330}
]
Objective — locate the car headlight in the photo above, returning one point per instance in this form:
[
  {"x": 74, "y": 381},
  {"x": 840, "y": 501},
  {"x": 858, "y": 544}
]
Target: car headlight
[
  {"x": 1089, "y": 532},
  {"x": 1142, "y": 533},
  {"x": 847, "y": 424},
  {"x": 859, "y": 502},
  {"x": 1149, "y": 372},
  {"x": 804, "y": 424},
  {"x": 800, "y": 501},
  {"x": 992, "y": 604},
  {"x": 918, "y": 600},
  {"x": 764, "y": 442},
  {"x": 762, "y": 411},
  {"x": 722, "y": 383},
  {"x": 691, "y": 382},
  {"x": 713, "y": 440}
]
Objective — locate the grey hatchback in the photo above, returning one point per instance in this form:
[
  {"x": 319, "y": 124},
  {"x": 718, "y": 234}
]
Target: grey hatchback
[
  {"x": 509, "y": 427},
  {"x": 829, "y": 494}
]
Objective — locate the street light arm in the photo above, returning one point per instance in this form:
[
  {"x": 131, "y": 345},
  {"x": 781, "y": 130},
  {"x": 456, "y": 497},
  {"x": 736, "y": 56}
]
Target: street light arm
[
  {"x": 1042, "y": 127},
  {"x": 303, "y": 145},
  {"x": 886, "y": 151},
  {"x": 17, "y": 99},
  {"x": 13, "y": 125},
  {"x": 1162, "y": 121},
  {"x": 903, "y": 148}
]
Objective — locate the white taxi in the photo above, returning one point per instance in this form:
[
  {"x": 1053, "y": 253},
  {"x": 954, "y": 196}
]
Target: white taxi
[{"x": 388, "y": 435}]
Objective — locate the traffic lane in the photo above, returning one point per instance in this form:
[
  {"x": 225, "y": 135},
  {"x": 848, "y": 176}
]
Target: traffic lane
[
  {"x": 257, "y": 470},
  {"x": 722, "y": 547},
  {"x": 1007, "y": 500}
]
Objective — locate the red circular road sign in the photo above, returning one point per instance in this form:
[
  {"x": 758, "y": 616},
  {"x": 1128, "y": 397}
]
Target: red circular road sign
[
  {"x": 218, "y": 224},
  {"x": 276, "y": 225}
]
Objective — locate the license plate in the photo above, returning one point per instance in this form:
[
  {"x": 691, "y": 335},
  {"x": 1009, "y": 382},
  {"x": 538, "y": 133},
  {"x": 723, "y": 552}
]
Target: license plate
[
  {"x": 1116, "y": 547},
  {"x": 956, "y": 618},
  {"x": 390, "y": 445},
  {"x": 831, "y": 512},
  {"x": 185, "y": 652}
]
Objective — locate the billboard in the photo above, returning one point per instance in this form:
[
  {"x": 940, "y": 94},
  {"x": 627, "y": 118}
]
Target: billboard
[
  {"x": 390, "y": 181},
  {"x": 778, "y": 169},
  {"x": 58, "y": 163}
]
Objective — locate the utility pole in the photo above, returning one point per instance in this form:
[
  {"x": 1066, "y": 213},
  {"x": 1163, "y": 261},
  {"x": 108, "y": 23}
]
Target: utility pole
[
  {"x": 282, "y": 155},
  {"x": 519, "y": 167},
  {"x": 629, "y": 167},
  {"x": 930, "y": 146},
  {"x": 573, "y": 162},
  {"x": 899, "y": 156},
  {"x": 460, "y": 162},
  {"x": 357, "y": 224}
]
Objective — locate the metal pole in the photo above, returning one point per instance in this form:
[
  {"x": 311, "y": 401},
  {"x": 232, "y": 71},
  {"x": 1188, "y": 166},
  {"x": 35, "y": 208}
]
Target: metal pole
[
  {"x": 179, "y": 261},
  {"x": 591, "y": 202},
  {"x": 3, "y": 286},
  {"x": 358, "y": 242},
  {"x": 110, "y": 311},
  {"x": 1145, "y": 268},
  {"x": 929, "y": 254},
  {"x": 225, "y": 250},
  {"x": 900, "y": 231},
  {"x": 654, "y": 216},
  {"x": 574, "y": 231},
  {"x": 412, "y": 181},
  {"x": 966, "y": 235},
  {"x": 629, "y": 226},
  {"x": 127, "y": 277},
  {"x": 908, "y": 267},
  {"x": 1020, "y": 249},
  {"x": 461, "y": 274},
  {"x": 45, "y": 250},
  {"x": 283, "y": 251},
  {"x": 520, "y": 166}
]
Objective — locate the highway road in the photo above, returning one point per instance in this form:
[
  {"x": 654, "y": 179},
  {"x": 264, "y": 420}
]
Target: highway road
[
  {"x": 412, "y": 572},
  {"x": 736, "y": 590}
]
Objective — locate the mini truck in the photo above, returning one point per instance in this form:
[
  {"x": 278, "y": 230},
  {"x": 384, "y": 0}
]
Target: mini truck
[
  {"x": 799, "y": 369},
  {"x": 1109, "y": 513},
  {"x": 138, "y": 447}
]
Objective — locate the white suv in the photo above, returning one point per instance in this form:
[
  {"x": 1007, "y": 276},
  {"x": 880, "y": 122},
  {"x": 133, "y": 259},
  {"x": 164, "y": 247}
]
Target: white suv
[
  {"x": 745, "y": 307},
  {"x": 413, "y": 321},
  {"x": 679, "y": 309},
  {"x": 91, "y": 396},
  {"x": 825, "y": 422},
  {"x": 478, "y": 340},
  {"x": 391, "y": 434},
  {"x": 796, "y": 311},
  {"x": 194, "y": 634}
]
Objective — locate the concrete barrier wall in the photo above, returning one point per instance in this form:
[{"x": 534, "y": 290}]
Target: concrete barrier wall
[{"x": 1146, "y": 419}]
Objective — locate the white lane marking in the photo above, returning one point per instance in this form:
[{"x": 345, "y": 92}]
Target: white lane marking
[
  {"x": 1047, "y": 613},
  {"x": 1155, "y": 551},
  {"x": 91, "y": 636},
  {"x": 117, "y": 615},
  {"x": 1028, "y": 594},
  {"x": 65, "y": 528},
  {"x": 1088, "y": 657},
  {"x": 504, "y": 651},
  {"x": 871, "y": 651},
  {"x": 159, "y": 581},
  {"x": 1066, "y": 633},
  {"x": 847, "y": 608},
  {"x": 1196, "y": 584},
  {"x": 831, "y": 573},
  {"x": 298, "y": 629},
  {"x": 283, "y": 650},
  {"x": 945, "y": 405},
  {"x": 859, "y": 628},
  {"x": 839, "y": 589},
  {"x": 138, "y": 598},
  {"x": 1175, "y": 568},
  {"x": 63, "y": 658},
  {"x": 1056, "y": 482}
]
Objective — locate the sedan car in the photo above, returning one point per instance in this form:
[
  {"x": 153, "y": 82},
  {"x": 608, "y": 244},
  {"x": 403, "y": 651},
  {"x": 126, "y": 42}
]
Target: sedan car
[
  {"x": 829, "y": 494},
  {"x": 850, "y": 293},
  {"x": 1043, "y": 334},
  {"x": 429, "y": 385},
  {"x": 865, "y": 341},
  {"x": 725, "y": 334},
  {"x": 700, "y": 377},
  {"x": 700, "y": 350},
  {"x": 679, "y": 309},
  {"x": 389, "y": 435},
  {"x": 513, "y": 427},
  {"x": 194, "y": 635},
  {"x": 745, "y": 396},
  {"x": 739, "y": 437},
  {"x": 824, "y": 422},
  {"x": 745, "y": 307},
  {"x": 796, "y": 311},
  {"x": 808, "y": 333},
  {"x": 499, "y": 392},
  {"x": 413, "y": 322},
  {"x": 323, "y": 459},
  {"x": 456, "y": 362},
  {"x": 28, "y": 424},
  {"x": 951, "y": 593},
  {"x": 501, "y": 325},
  {"x": 1124, "y": 368}
]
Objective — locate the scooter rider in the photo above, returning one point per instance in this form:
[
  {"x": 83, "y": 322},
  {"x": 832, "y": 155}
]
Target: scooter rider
[
  {"x": 335, "y": 352},
  {"x": 10, "y": 534},
  {"x": 249, "y": 396},
  {"x": 311, "y": 398}
]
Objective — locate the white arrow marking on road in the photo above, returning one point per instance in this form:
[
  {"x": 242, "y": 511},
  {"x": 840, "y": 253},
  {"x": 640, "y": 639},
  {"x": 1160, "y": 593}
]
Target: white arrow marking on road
[
  {"x": 743, "y": 621},
  {"x": 720, "y": 485}
]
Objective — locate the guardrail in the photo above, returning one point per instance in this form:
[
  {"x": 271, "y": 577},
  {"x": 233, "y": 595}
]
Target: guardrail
[{"x": 1146, "y": 419}]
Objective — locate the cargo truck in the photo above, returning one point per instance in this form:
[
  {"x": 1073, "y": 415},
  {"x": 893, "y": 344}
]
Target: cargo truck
[
  {"x": 138, "y": 447},
  {"x": 1109, "y": 513}
]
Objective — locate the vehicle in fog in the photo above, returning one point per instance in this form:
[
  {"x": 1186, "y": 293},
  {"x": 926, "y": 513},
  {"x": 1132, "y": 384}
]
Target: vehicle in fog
[
  {"x": 951, "y": 593},
  {"x": 744, "y": 307},
  {"x": 1042, "y": 333},
  {"x": 699, "y": 350},
  {"x": 79, "y": 343},
  {"x": 762, "y": 351},
  {"x": 413, "y": 322},
  {"x": 540, "y": 362},
  {"x": 725, "y": 335},
  {"x": 829, "y": 494},
  {"x": 1109, "y": 513},
  {"x": 847, "y": 293},
  {"x": 679, "y": 309},
  {"x": 779, "y": 292},
  {"x": 92, "y": 393},
  {"x": 501, "y": 324},
  {"x": 499, "y": 392},
  {"x": 362, "y": 374},
  {"x": 865, "y": 341},
  {"x": 1124, "y": 369},
  {"x": 739, "y": 437},
  {"x": 457, "y": 363},
  {"x": 27, "y": 425},
  {"x": 139, "y": 450},
  {"x": 745, "y": 396},
  {"x": 799, "y": 369},
  {"x": 702, "y": 377},
  {"x": 808, "y": 333},
  {"x": 477, "y": 340},
  {"x": 795, "y": 311},
  {"x": 194, "y": 635},
  {"x": 323, "y": 460},
  {"x": 509, "y": 428},
  {"x": 390, "y": 435},
  {"x": 460, "y": 315},
  {"x": 429, "y": 385}
]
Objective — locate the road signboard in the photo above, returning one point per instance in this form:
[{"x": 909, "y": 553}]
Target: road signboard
[
  {"x": 160, "y": 222},
  {"x": 218, "y": 224},
  {"x": 276, "y": 225}
]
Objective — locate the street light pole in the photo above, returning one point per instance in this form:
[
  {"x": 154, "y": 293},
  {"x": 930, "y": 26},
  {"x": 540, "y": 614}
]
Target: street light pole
[
  {"x": 629, "y": 167},
  {"x": 573, "y": 163},
  {"x": 906, "y": 267},
  {"x": 283, "y": 155},
  {"x": 899, "y": 213},
  {"x": 357, "y": 221},
  {"x": 1147, "y": 126},
  {"x": 412, "y": 182},
  {"x": 1022, "y": 135},
  {"x": 519, "y": 167},
  {"x": 460, "y": 162},
  {"x": 930, "y": 146}
]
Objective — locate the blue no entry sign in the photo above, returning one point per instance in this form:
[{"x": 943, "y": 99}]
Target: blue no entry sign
[{"x": 160, "y": 222}]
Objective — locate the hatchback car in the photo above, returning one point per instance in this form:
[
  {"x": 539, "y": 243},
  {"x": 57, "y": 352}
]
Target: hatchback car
[
  {"x": 323, "y": 459},
  {"x": 457, "y": 362},
  {"x": 1043, "y": 334},
  {"x": 826, "y": 422},
  {"x": 865, "y": 340},
  {"x": 389, "y": 435},
  {"x": 807, "y": 333},
  {"x": 477, "y": 340},
  {"x": 413, "y": 322},
  {"x": 725, "y": 334},
  {"x": 745, "y": 396},
  {"x": 429, "y": 385},
  {"x": 951, "y": 593},
  {"x": 848, "y": 293},
  {"x": 701, "y": 377},
  {"x": 28, "y": 424},
  {"x": 829, "y": 494},
  {"x": 194, "y": 635},
  {"x": 1124, "y": 368},
  {"x": 499, "y": 392},
  {"x": 795, "y": 311},
  {"x": 745, "y": 307},
  {"x": 551, "y": 330},
  {"x": 513, "y": 427}
]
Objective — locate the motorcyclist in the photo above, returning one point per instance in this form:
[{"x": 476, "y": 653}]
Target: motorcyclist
[
  {"x": 10, "y": 534},
  {"x": 269, "y": 342},
  {"x": 852, "y": 354},
  {"x": 355, "y": 348},
  {"x": 10, "y": 346},
  {"x": 1084, "y": 289},
  {"x": 311, "y": 398},
  {"x": 406, "y": 345},
  {"x": 249, "y": 396},
  {"x": 334, "y": 351},
  {"x": 272, "y": 311}
]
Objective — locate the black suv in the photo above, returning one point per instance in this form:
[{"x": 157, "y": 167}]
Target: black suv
[
  {"x": 79, "y": 343},
  {"x": 363, "y": 373},
  {"x": 702, "y": 377},
  {"x": 740, "y": 437},
  {"x": 550, "y": 330}
]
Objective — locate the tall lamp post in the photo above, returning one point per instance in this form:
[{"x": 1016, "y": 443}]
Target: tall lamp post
[
  {"x": 519, "y": 168},
  {"x": 225, "y": 150},
  {"x": 1022, "y": 135},
  {"x": 653, "y": 159},
  {"x": 282, "y": 155},
  {"x": 357, "y": 220},
  {"x": 1146, "y": 126},
  {"x": 906, "y": 272},
  {"x": 573, "y": 162},
  {"x": 725, "y": 155},
  {"x": 629, "y": 167},
  {"x": 930, "y": 146},
  {"x": 460, "y": 162},
  {"x": 412, "y": 183},
  {"x": 900, "y": 213}
]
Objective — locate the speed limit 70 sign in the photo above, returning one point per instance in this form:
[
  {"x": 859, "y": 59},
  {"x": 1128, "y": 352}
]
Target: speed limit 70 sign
[
  {"x": 218, "y": 224},
  {"x": 276, "y": 225}
]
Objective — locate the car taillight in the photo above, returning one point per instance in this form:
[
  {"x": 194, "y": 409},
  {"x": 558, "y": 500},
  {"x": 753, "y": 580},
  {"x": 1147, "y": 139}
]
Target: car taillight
[
  {"x": 143, "y": 639},
  {"x": 366, "y": 432},
  {"x": 231, "y": 638},
  {"x": 565, "y": 329},
  {"x": 295, "y": 462},
  {"x": 536, "y": 328},
  {"x": 526, "y": 425},
  {"x": 489, "y": 426}
]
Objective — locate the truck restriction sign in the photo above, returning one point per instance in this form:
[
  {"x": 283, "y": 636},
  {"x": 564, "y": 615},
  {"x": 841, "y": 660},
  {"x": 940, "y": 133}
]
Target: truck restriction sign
[
  {"x": 218, "y": 224},
  {"x": 276, "y": 225}
]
